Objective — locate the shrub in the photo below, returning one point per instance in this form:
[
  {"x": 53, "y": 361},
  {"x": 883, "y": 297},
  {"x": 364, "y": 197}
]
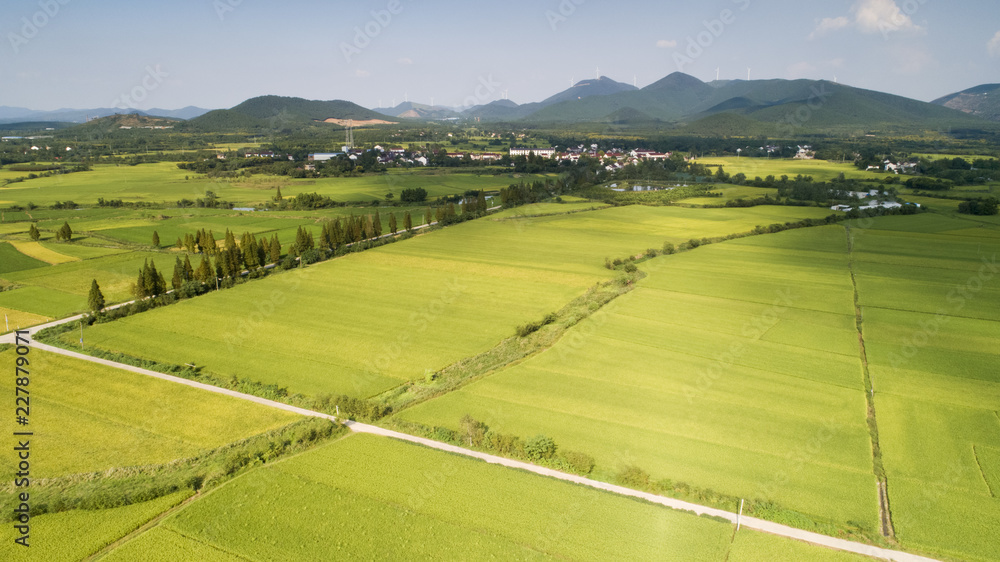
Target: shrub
[
  {"x": 668, "y": 248},
  {"x": 473, "y": 431},
  {"x": 527, "y": 329},
  {"x": 539, "y": 448},
  {"x": 506, "y": 445},
  {"x": 311, "y": 256},
  {"x": 631, "y": 268},
  {"x": 633, "y": 477},
  {"x": 652, "y": 253},
  {"x": 580, "y": 463},
  {"x": 444, "y": 434},
  {"x": 694, "y": 243}
]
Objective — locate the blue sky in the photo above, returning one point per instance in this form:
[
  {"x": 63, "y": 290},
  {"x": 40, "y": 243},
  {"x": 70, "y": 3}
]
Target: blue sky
[{"x": 217, "y": 53}]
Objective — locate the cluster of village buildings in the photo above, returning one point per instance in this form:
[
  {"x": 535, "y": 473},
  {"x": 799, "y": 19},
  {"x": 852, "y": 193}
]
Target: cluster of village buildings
[
  {"x": 871, "y": 199},
  {"x": 895, "y": 167},
  {"x": 388, "y": 156}
]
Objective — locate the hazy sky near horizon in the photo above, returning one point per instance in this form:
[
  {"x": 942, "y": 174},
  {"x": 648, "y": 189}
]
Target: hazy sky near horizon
[{"x": 217, "y": 53}]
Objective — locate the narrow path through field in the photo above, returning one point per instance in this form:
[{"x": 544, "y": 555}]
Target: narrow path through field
[
  {"x": 749, "y": 522},
  {"x": 884, "y": 513}
]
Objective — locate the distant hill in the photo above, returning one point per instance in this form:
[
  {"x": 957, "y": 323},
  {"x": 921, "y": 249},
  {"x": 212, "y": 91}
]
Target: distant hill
[
  {"x": 277, "y": 113},
  {"x": 791, "y": 106},
  {"x": 189, "y": 112},
  {"x": 981, "y": 101},
  {"x": 411, "y": 110},
  {"x": 21, "y": 114},
  {"x": 33, "y": 127},
  {"x": 506, "y": 110},
  {"x": 119, "y": 123},
  {"x": 501, "y": 110},
  {"x": 603, "y": 86}
]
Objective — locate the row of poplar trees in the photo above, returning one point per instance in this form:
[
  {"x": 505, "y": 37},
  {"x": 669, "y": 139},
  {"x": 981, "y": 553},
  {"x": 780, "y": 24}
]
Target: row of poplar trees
[{"x": 250, "y": 253}]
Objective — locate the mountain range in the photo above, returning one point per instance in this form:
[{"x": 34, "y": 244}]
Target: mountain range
[
  {"x": 678, "y": 102},
  {"x": 758, "y": 107},
  {"x": 21, "y": 114}
]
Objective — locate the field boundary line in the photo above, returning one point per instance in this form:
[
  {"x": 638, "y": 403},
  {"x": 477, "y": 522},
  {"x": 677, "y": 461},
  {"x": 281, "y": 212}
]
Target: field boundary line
[
  {"x": 979, "y": 465},
  {"x": 155, "y": 521},
  {"x": 882, "y": 485},
  {"x": 749, "y": 522}
]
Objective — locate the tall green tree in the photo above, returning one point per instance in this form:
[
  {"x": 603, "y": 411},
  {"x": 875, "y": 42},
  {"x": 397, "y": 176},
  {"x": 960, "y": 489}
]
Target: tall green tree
[
  {"x": 156, "y": 239},
  {"x": 177, "y": 279},
  {"x": 274, "y": 249},
  {"x": 33, "y": 232},
  {"x": 64, "y": 232},
  {"x": 392, "y": 223},
  {"x": 204, "y": 271},
  {"x": 188, "y": 270},
  {"x": 428, "y": 217},
  {"x": 376, "y": 225},
  {"x": 481, "y": 206},
  {"x": 407, "y": 222},
  {"x": 369, "y": 228},
  {"x": 95, "y": 300}
]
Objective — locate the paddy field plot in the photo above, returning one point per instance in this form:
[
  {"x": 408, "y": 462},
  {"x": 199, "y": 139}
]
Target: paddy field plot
[
  {"x": 90, "y": 418},
  {"x": 367, "y": 322},
  {"x": 730, "y": 193},
  {"x": 164, "y": 182},
  {"x": 91, "y": 531},
  {"x": 42, "y": 253},
  {"x": 12, "y": 260},
  {"x": 931, "y": 306},
  {"x": 16, "y": 319},
  {"x": 820, "y": 170},
  {"x": 61, "y": 290},
  {"x": 372, "y": 497},
  {"x": 733, "y": 367}
]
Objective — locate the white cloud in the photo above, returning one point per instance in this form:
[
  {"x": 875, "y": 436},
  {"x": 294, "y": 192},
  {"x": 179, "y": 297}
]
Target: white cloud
[
  {"x": 872, "y": 16},
  {"x": 362, "y": 73},
  {"x": 666, "y": 43},
  {"x": 883, "y": 16},
  {"x": 830, "y": 24},
  {"x": 994, "y": 45},
  {"x": 405, "y": 60}
]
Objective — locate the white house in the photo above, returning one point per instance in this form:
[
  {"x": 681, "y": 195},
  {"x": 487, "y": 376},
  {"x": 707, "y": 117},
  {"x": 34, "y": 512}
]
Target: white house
[
  {"x": 543, "y": 152},
  {"x": 323, "y": 156}
]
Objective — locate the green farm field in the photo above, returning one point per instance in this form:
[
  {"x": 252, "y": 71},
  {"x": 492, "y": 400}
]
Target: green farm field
[
  {"x": 372, "y": 497},
  {"x": 931, "y": 304},
  {"x": 733, "y": 367},
  {"x": 730, "y": 193},
  {"x": 166, "y": 183},
  {"x": 12, "y": 260},
  {"x": 365, "y": 323},
  {"x": 94, "y": 418},
  {"x": 61, "y": 290},
  {"x": 91, "y": 531},
  {"x": 820, "y": 170}
]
